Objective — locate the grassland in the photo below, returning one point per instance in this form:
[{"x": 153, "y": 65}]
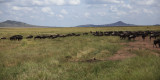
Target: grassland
[{"x": 61, "y": 58}]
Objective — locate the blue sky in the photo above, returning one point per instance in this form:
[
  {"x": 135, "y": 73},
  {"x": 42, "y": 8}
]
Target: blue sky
[{"x": 68, "y": 13}]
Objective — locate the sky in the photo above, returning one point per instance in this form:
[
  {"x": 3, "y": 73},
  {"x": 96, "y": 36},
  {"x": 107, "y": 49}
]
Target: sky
[{"x": 69, "y": 13}]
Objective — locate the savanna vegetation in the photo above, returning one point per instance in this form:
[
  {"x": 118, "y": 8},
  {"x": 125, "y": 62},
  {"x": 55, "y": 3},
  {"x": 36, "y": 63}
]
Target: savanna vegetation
[{"x": 66, "y": 58}]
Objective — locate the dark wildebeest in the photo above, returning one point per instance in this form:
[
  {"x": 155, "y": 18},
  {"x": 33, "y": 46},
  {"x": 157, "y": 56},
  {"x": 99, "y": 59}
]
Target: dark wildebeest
[
  {"x": 131, "y": 37},
  {"x": 153, "y": 36},
  {"x": 143, "y": 36},
  {"x": 77, "y": 34},
  {"x": 156, "y": 42},
  {"x": 37, "y": 37},
  {"x": 40, "y": 37},
  {"x": 85, "y": 33},
  {"x": 122, "y": 36},
  {"x": 3, "y": 38},
  {"x": 16, "y": 37},
  {"x": 29, "y": 37}
]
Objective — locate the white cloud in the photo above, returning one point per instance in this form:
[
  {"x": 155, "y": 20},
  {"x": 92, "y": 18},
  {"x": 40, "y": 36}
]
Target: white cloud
[
  {"x": 16, "y": 8},
  {"x": 48, "y": 2},
  {"x": 21, "y": 8},
  {"x": 127, "y": 6},
  {"x": 87, "y": 14},
  {"x": 60, "y": 16},
  {"x": 101, "y": 13},
  {"x": 114, "y": 1},
  {"x": 113, "y": 9},
  {"x": 148, "y": 11},
  {"x": 104, "y": 1},
  {"x": 120, "y": 13},
  {"x": 74, "y": 2},
  {"x": 63, "y": 11},
  {"x": 57, "y": 2},
  {"x": 47, "y": 10},
  {"x": 145, "y": 2},
  {"x": 38, "y": 2},
  {"x": 136, "y": 11}
]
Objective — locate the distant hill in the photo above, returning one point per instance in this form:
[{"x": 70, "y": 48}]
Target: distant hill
[
  {"x": 119, "y": 23},
  {"x": 10, "y": 23},
  {"x": 157, "y": 25}
]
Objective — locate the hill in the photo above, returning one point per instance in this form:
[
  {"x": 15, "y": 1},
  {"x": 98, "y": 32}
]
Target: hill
[
  {"x": 10, "y": 23},
  {"x": 119, "y": 23}
]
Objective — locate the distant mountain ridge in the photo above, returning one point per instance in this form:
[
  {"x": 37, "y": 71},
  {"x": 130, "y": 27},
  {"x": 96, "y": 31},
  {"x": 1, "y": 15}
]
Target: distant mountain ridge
[
  {"x": 10, "y": 23},
  {"x": 119, "y": 23}
]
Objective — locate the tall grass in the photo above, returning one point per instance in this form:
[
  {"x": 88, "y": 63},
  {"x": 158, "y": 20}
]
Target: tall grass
[{"x": 47, "y": 59}]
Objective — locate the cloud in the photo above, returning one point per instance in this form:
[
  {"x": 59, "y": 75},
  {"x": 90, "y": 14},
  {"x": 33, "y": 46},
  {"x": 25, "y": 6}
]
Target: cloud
[
  {"x": 47, "y": 2},
  {"x": 74, "y": 2},
  {"x": 146, "y": 2},
  {"x": 148, "y": 11},
  {"x": 87, "y": 14},
  {"x": 79, "y": 11},
  {"x": 103, "y": 1},
  {"x": 47, "y": 10},
  {"x": 63, "y": 11},
  {"x": 21, "y": 8},
  {"x": 60, "y": 16},
  {"x": 127, "y": 6},
  {"x": 101, "y": 13}
]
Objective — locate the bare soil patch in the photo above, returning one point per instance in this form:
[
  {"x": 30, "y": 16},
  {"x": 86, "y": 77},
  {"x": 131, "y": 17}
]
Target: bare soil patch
[
  {"x": 126, "y": 52},
  {"x": 138, "y": 44}
]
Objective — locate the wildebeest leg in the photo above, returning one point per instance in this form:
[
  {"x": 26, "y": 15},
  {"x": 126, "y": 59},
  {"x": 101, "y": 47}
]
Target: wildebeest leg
[
  {"x": 154, "y": 45},
  {"x": 144, "y": 38}
]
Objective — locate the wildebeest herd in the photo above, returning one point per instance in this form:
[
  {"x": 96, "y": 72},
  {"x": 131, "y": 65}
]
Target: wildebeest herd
[{"x": 130, "y": 35}]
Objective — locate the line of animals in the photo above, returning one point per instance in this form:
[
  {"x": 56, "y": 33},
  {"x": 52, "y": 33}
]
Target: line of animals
[{"x": 130, "y": 35}]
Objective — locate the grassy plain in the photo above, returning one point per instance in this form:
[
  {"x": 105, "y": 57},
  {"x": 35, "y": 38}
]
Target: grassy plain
[{"x": 61, "y": 58}]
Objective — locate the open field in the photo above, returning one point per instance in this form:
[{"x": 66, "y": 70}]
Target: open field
[{"x": 71, "y": 58}]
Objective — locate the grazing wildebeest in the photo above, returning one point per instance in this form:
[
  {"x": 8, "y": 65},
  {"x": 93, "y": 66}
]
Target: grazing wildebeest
[
  {"x": 131, "y": 37},
  {"x": 153, "y": 36},
  {"x": 40, "y": 37},
  {"x": 37, "y": 37},
  {"x": 143, "y": 36},
  {"x": 85, "y": 33},
  {"x": 122, "y": 36},
  {"x": 77, "y": 35},
  {"x": 16, "y": 37},
  {"x": 29, "y": 37},
  {"x": 3, "y": 38},
  {"x": 156, "y": 42}
]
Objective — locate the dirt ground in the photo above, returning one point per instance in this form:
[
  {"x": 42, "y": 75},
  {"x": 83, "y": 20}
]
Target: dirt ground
[
  {"x": 138, "y": 44},
  {"x": 126, "y": 52}
]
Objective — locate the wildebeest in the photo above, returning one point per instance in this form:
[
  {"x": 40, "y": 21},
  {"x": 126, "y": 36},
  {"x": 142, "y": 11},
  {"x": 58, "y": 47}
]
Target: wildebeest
[
  {"x": 131, "y": 37},
  {"x": 153, "y": 36},
  {"x": 16, "y": 37},
  {"x": 29, "y": 37},
  {"x": 143, "y": 36},
  {"x": 3, "y": 38},
  {"x": 156, "y": 42},
  {"x": 122, "y": 36},
  {"x": 40, "y": 37},
  {"x": 85, "y": 33}
]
